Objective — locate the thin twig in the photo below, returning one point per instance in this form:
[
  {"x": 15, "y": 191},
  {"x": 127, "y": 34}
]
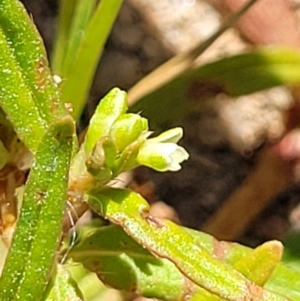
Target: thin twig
[{"x": 181, "y": 62}]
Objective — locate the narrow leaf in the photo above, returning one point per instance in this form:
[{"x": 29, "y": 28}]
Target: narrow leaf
[
  {"x": 65, "y": 16},
  {"x": 80, "y": 20},
  {"x": 28, "y": 50},
  {"x": 32, "y": 254},
  {"x": 284, "y": 280},
  {"x": 121, "y": 263},
  {"x": 261, "y": 263},
  {"x": 167, "y": 240},
  {"x": 17, "y": 101},
  {"x": 75, "y": 88}
]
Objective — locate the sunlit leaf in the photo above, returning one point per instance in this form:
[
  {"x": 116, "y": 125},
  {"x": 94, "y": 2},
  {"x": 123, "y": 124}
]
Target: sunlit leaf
[
  {"x": 28, "y": 50},
  {"x": 167, "y": 240},
  {"x": 75, "y": 88},
  {"x": 28, "y": 93},
  {"x": 33, "y": 251},
  {"x": 83, "y": 11}
]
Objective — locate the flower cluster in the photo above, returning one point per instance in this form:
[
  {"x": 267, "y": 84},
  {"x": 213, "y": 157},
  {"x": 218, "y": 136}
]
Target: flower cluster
[{"x": 117, "y": 141}]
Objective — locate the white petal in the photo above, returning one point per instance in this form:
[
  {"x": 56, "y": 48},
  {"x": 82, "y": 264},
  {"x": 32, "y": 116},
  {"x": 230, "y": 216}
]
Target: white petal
[{"x": 170, "y": 136}]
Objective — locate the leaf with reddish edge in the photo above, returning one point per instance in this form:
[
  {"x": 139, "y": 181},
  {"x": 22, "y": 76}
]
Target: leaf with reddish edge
[
  {"x": 123, "y": 264},
  {"x": 284, "y": 280},
  {"x": 167, "y": 240},
  {"x": 261, "y": 263}
]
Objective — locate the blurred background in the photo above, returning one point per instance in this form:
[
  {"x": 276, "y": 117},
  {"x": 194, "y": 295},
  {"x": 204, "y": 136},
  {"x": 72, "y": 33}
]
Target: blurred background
[{"x": 242, "y": 179}]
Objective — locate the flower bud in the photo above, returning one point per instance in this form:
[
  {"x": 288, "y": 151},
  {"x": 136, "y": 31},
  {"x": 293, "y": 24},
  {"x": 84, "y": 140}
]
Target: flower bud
[
  {"x": 110, "y": 108},
  {"x": 127, "y": 160},
  {"x": 101, "y": 161},
  {"x": 127, "y": 129}
]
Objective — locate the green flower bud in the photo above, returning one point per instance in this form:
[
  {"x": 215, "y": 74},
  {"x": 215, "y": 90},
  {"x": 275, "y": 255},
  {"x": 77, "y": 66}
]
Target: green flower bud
[
  {"x": 127, "y": 129},
  {"x": 97, "y": 158},
  {"x": 102, "y": 159},
  {"x": 110, "y": 151},
  {"x": 100, "y": 176},
  {"x": 110, "y": 108},
  {"x": 127, "y": 160}
]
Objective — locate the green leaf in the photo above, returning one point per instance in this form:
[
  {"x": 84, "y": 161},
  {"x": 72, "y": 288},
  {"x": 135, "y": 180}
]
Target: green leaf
[
  {"x": 28, "y": 50},
  {"x": 80, "y": 20},
  {"x": 65, "y": 16},
  {"x": 90, "y": 286},
  {"x": 33, "y": 250},
  {"x": 167, "y": 240},
  {"x": 257, "y": 266},
  {"x": 28, "y": 93},
  {"x": 284, "y": 280},
  {"x": 73, "y": 20},
  {"x": 236, "y": 75},
  {"x": 261, "y": 263},
  {"x": 122, "y": 263},
  {"x": 63, "y": 287},
  {"x": 78, "y": 80},
  {"x": 17, "y": 101}
]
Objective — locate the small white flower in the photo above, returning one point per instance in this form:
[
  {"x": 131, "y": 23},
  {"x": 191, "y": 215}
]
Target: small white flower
[{"x": 162, "y": 156}]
